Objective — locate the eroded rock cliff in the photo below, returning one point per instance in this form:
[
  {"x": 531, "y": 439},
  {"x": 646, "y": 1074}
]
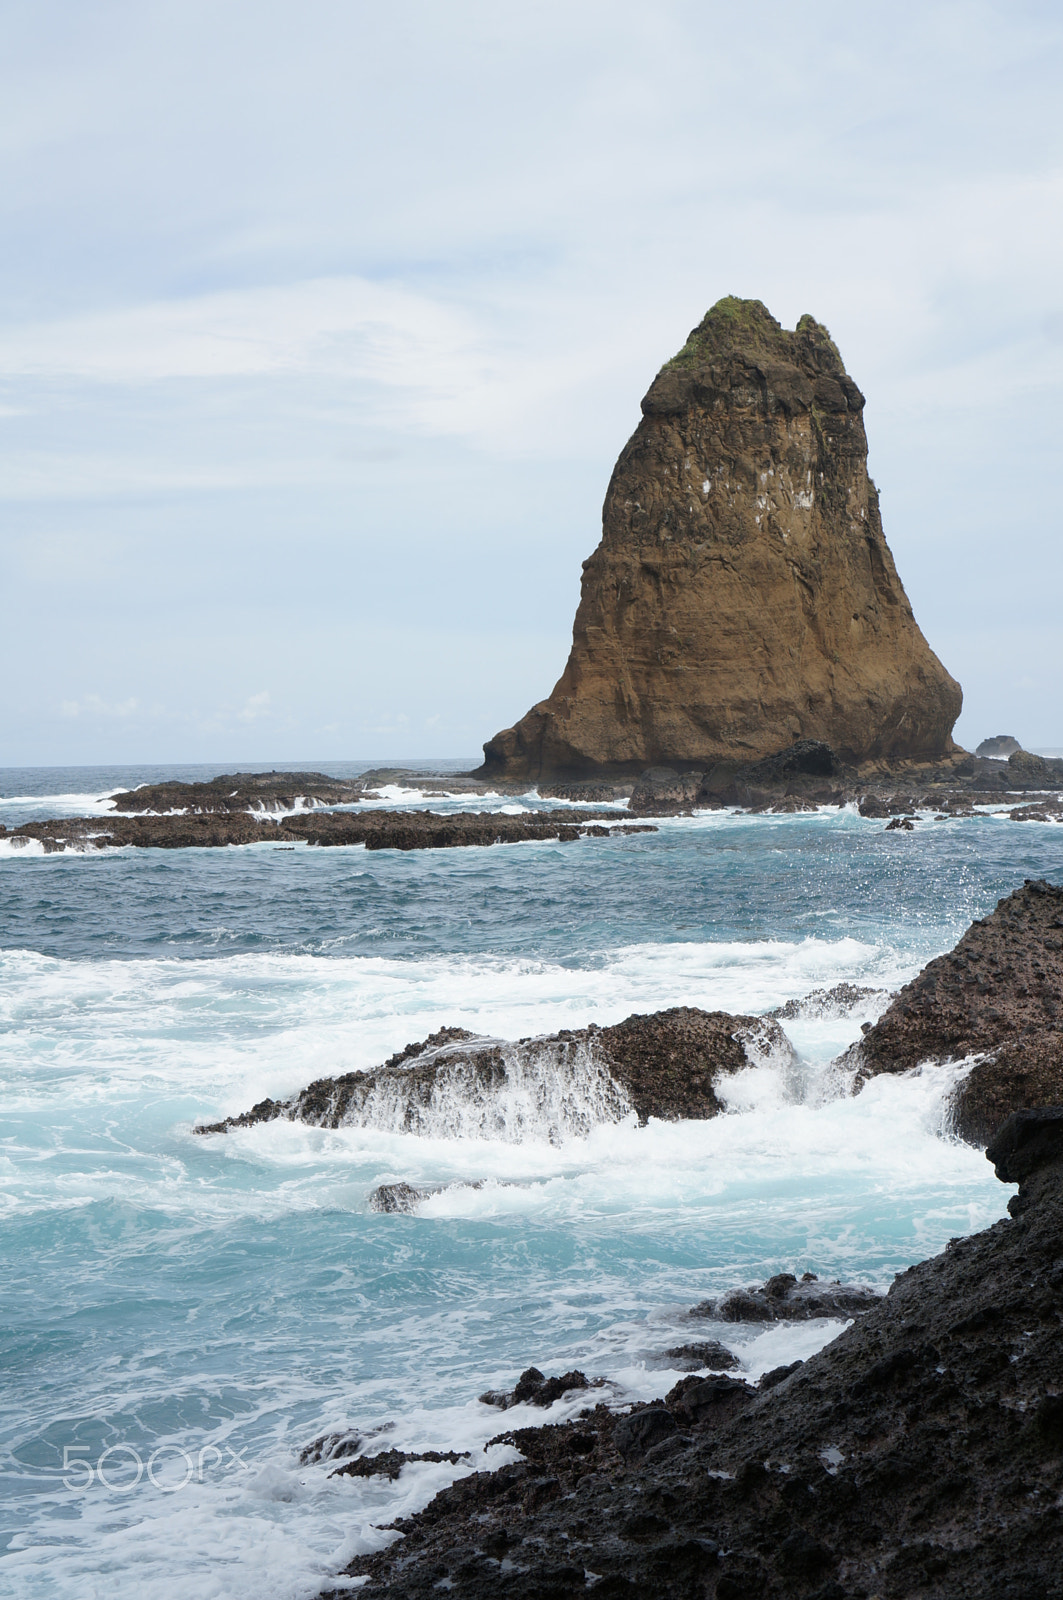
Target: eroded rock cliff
[{"x": 743, "y": 595}]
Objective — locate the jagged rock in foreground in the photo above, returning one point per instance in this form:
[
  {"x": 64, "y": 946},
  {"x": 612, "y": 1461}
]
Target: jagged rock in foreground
[
  {"x": 377, "y": 830},
  {"x": 743, "y": 596},
  {"x": 998, "y": 993},
  {"x": 920, "y": 1454},
  {"x": 456, "y": 1085}
]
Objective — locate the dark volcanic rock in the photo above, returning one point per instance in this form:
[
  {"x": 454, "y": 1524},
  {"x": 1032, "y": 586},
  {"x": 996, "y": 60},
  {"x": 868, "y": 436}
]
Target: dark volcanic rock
[
  {"x": 839, "y": 1001},
  {"x": 1043, "y": 812},
  {"x": 920, "y": 1454},
  {"x": 743, "y": 601},
  {"x": 1023, "y": 766},
  {"x": 389, "y": 1198},
  {"x": 330, "y": 1447},
  {"x": 389, "y": 1463},
  {"x": 710, "y": 1353},
  {"x": 667, "y": 1062},
  {"x": 534, "y": 1389},
  {"x": 377, "y": 830},
  {"x": 455, "y": 1085},
  {"x": 786, "y": 1298},
  {"x": 663, "y": 792},
  {"x": 998, "y": 994},
  {"x": 807, "y": 757},
  {"x": 242, "y": 791}
]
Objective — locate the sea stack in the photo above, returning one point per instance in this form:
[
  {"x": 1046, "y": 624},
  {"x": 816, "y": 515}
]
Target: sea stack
[{"x": 743, "y": 596}]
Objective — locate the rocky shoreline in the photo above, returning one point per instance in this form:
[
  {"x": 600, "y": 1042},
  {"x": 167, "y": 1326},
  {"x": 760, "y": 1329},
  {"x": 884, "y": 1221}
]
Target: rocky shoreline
[
  {"x": 289, "y": 808},
  {"x": 376, "y": 830},
  {"x": 920, "y": 1454}
]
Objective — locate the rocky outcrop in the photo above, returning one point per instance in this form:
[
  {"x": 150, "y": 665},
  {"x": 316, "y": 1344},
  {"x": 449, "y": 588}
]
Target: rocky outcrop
[
  {"x": 377, "y": 830},
  {"x": 743, "y": 596},
  {"x": 999, "y": 748},
  {"x": 242, "y": 791},
  {"x": 918, "y": 1454},
  {"x": 998, "y": 996},
  {"x": 787, "y": 1298},
  {"x": 456, "y": 1085}
]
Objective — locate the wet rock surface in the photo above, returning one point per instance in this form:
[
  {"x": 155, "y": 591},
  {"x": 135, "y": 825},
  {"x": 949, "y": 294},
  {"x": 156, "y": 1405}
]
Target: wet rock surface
[
  {"x": 376, "y": 830},
  {"x": 242, "y": 791},
  {"x": 920, "y": 1454},
  {"x": 699, "y": 1356},
  {"x": 453, "y": 1084},
  {"x": 786, "y": 1298},
  {"x": 533, "y": 1388},
  {"x": 389, "y": 1463},
  {"x": 998, "y": 995},
  {"x": 839, "y": 1001}
]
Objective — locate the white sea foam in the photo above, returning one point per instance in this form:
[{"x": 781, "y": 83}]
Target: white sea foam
[
  {"x": 58, "y": 805},
  {"x": 21, "y": 847},
  {"x": 535, "y": 1089},
  {"x": 235, "y": 1029}
]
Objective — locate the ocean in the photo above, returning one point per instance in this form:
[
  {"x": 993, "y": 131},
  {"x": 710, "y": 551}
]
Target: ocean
[{"x": 182, "y": 1315}]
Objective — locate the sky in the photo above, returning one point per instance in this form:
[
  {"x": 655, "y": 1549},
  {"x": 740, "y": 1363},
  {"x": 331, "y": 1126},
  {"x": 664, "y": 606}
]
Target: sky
[{"x": 321, "y": 327}]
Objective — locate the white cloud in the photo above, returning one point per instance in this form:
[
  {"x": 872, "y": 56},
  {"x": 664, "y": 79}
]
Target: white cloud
[
  {"x": 93, "y": 705},
  {"x": 256, "y": 705}
]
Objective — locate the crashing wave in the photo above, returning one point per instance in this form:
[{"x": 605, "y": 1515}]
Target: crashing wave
[{"x": 455, "y": 1085}]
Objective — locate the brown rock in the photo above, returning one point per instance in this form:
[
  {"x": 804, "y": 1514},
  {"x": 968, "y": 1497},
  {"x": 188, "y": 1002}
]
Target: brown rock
[
  {"x": 999, "y": 993},
  {"x": 453, "y": 1084},
  {"x": 743, "y": 596}
]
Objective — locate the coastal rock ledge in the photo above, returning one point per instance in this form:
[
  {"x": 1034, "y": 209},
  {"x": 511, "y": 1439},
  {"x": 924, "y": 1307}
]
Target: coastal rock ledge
[
  {"x": 919, "y": 1454},
  {"x": 994, "y": 1001},
  {"x": 743, "y": 596},
  {"x": 456, "y": 1084}
]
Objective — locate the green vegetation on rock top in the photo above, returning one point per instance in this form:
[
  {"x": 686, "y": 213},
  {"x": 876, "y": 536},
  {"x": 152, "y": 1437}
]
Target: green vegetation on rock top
[{"x": 748, "y": 325}]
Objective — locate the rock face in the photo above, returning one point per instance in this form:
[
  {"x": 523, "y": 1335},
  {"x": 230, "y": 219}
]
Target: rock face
[
  {"x": 999, "y": 994},
  {"x": 918, "y": 1454},
  {"x": 1000, "y": 747},
  {"x": 743, "y": 596},
  {"x": 455, "y": 1085}
]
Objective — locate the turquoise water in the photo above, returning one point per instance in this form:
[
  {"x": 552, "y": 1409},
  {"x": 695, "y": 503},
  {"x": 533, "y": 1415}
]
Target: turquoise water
[{"x": 219, "y": 1302}]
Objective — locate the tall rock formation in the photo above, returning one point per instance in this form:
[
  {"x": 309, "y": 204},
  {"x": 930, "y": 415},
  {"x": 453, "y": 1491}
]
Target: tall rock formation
[{"x": 743, "y": 595}]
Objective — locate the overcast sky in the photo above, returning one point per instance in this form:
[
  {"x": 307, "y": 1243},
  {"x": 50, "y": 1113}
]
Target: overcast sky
[{"x": 323, "y": 324}]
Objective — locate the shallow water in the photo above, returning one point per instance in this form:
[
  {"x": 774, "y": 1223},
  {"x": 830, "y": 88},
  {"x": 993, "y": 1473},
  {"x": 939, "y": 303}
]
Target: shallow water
[{"x": 231, "y": 1297}]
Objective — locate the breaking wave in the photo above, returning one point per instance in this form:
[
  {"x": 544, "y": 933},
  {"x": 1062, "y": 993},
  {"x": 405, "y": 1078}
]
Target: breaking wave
[{"x": 538, "y": 1089}]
